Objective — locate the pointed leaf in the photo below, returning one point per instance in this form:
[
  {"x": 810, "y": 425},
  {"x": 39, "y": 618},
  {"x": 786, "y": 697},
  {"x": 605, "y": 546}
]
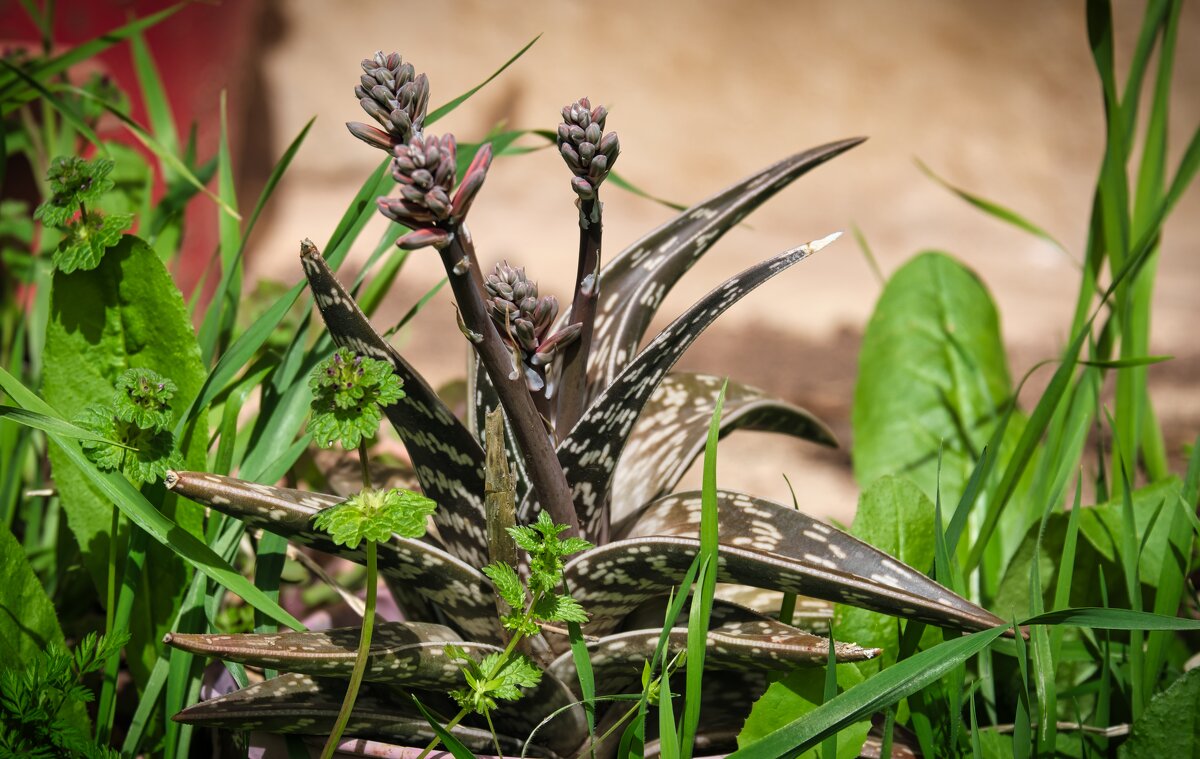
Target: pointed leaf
[
  {"x": 448, "y": 460},
  {"x": 765, "y": 545},
  {"x": 459, "y": 589},
  {"x": 670, "y": 433},
  {"x": 589, "y": 453},
  {"x": 636, "y": 281},
  {"x": 305, "y": 705}
]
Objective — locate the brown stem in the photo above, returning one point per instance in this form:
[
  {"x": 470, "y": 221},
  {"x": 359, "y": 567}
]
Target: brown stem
[
  {"x": 545, "y": 473},
  {"x": 572, "y": 390}
]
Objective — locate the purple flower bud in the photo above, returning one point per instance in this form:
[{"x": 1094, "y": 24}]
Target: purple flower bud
[{"x": 370, "y": 135}]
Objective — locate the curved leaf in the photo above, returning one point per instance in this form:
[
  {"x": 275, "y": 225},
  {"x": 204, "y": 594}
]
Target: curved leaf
[
  {"x": 764, "y": 545},
  {"x": 300, "y": 704},
  {"x": 403, "y": 653},
  {"x": 589, "y": 453},
  {"x": 761, "y": 644},
  {"x": 670, "y": 433},
  {"x": 448, "y": 460},
  {"x": 636, "y": 280},
  {"x": 456, "y": 587}
]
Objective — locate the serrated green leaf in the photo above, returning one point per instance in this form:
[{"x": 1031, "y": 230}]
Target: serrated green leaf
[
  {"x": 1170, "y": 726},
  {"x": 28, "y": 623},
  {"x": 560, "y": 608},
  {"x": 507, "y": 583}
]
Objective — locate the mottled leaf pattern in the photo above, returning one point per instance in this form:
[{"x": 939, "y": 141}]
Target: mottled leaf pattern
[
  {"x": 305, "y": 705},
  {"x": 448, "y": 459},
  {"x": 589, "y": 453},
  {"x": 671, "y": 430},
  {"x": 634, "y": 283},
  {"x": 456, "y": 587},
  {"x": 781, "y": 531}
]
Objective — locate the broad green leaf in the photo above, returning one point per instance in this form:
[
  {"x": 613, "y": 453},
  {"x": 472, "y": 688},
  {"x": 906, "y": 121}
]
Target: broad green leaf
[
  {"x": 1102, "y": 526},
  {"x": 51, "y": 424},
  {"x": 28, "y": 623},
  {"x": 796, "y": 695},
  {"x": 895, "y": 517},
  {"x": 126, "y": 313},
  {"x": 932, "y": 372},
  {"x": 1170, "y": 726}
]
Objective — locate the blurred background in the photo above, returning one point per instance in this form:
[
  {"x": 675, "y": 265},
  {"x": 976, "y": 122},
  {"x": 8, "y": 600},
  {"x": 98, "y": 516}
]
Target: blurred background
[{"x": 1000, "y": 99}]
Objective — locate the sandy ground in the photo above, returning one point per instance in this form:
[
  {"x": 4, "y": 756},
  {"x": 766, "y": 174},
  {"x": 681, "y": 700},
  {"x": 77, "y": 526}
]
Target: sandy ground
[{"x": 1000, "y": 98}]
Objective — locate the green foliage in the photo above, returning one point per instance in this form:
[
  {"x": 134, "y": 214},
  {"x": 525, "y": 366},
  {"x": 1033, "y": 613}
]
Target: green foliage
[
  {"x": 932, "y": 374},
  {"x": 1170, "y": 726},
  {"x": 796, "y": 695},
  {"x": 496, "y": 676},
  {"x": 138, "y": 419},
  {"x": 27, "y": 621},
  {"x": 546, "y": 551},
  {"x": 349, "y": 392},
  {"x": 376, "y": 515},
  {"x": 76, "y": 184},
  {"x": 34, "y": 700}
]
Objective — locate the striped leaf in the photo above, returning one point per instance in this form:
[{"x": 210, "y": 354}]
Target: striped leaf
[
  {"x": 449, "y": 583},
  {"x": 671, "y": 430},
  {"x": 589, "y": 453},
  {"x": 300, "y": 704},
  {"x": 448, "y": 459},
  {"x": 764, "y": 545},
  {"x": 635, "y": 282}
]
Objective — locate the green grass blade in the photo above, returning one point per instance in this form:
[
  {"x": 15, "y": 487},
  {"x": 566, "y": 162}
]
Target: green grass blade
[
  {"x": 154, "y": 96},
  {"x": 1104, "y": 618},
  {"x": 668, "y": 740},
  {"x": 416, "y": 308},
  {"x": 587, "y": 680},
  {"x": 53, "y": 424},
  {"x": 441, "y": 111},
  {"x": 67, "y": 111},
  {"x": 142, "y": 513},
  {"x": 222, "y": 311},
  {"x": 702, "y": 601},
  {"x": 861, "y": 240},
  {"x": 453, "y": 745},
  {"x": 888, "y": 687},
  {"x": 995, "y": 210},
  {"x": 1125, "y": 363},
  {"x": 829, "y": 745},
  {"x": 88, "y": 49}
]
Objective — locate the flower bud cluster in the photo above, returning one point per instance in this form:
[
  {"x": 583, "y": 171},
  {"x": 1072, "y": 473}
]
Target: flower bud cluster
[
  {"x": 392, "y": 93},
  {"x": 424, "y": 169},
  {"x": 587, "y": 150},
  {"x": 524, "y": 320}
]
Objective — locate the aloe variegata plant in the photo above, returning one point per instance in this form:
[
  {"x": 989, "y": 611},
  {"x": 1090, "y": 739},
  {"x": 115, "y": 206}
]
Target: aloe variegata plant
[{"x": 599, "y": 432}]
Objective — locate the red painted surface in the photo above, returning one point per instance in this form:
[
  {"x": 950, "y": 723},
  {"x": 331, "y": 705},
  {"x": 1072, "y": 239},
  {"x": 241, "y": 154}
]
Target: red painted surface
[{"x": 202, "y": 49}]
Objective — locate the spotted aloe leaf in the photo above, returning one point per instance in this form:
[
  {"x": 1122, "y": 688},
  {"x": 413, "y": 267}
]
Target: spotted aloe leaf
[
  {"x": 765, "y": 545},
  {"x": 671, "y": 431},
  {"x": 759, "y": 644},
  {"x": 590, "y": 452},
  {"x": 301, "y": 704},
  {"x": 635, "y": 282},
  {"x": 447, "y": 458},
  {"x": 446, "y": 581}
]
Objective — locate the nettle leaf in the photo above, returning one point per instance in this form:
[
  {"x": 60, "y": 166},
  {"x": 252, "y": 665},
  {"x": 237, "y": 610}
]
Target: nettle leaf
[
  {"x": 932, "y": 373},
  {"x": 560, "y": 608},
  {"x": 507, "y": 584},
  {"x": 348, "y": 391},
  {"x": 126, "y": 313},
  {"x": 635, "y": 282},
  {"x": 445, "y": 580},
  {"x": 87, "y": 240},
  {"x": 671, "y": 431},
  {"x": 28, "y": 623},
  {"x": 447, "y": 458},
  {"x": 589, "y": 453}
]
